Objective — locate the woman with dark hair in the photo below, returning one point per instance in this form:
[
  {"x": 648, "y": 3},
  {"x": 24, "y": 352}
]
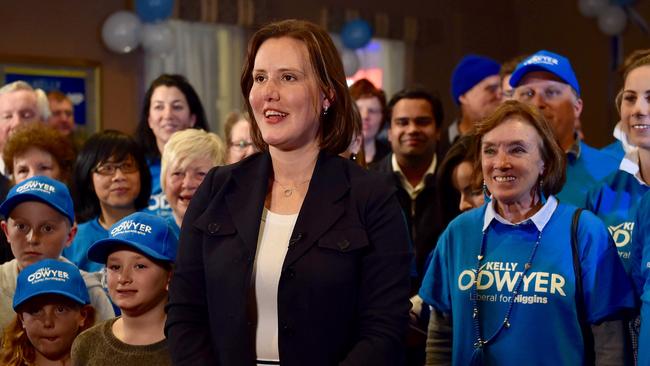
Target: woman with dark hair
[
  {"x": 170, "y": 104},
  {"x": 295, "y": 256},
  {"x": 459, "y": 189},
  {"x": 371, "y": 103},
  {"x": 522, "y": 278},
  {"x": 111, "y": 180}
]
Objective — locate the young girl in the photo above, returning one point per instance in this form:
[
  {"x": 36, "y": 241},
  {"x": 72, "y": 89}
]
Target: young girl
[
  {"x": 138, "y": 255},
  {"x": 53, "y": 307},
  {"x": 111, "y": 180}
]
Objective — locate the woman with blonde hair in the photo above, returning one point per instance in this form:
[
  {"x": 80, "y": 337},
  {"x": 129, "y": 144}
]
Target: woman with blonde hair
[{"x": 186, "y": 159}]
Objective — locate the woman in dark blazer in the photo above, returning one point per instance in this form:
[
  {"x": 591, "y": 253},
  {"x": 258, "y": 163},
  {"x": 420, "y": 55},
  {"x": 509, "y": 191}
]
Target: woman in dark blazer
[{"x": 294, "y": 255}]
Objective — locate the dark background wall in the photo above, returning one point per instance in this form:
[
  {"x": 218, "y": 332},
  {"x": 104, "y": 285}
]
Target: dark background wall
[{"x": 445, "y": 30}]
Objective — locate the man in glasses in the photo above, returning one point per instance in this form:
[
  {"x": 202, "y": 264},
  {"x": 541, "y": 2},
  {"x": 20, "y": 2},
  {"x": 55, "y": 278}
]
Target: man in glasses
[{"x": 547, "y": 81}]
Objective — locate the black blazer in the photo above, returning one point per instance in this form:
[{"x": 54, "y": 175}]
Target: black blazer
[{"x": 343, "y": 290}]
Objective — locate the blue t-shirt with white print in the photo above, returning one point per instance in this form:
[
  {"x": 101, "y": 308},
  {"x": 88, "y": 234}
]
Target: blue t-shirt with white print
[
  {"x": 640, "y": 270},
  {"x": 544, "y": 323},
  {"x": 615, "y": 202},
  {"x": 158, "y": 204},
  {"x": 87, "y": 233}
]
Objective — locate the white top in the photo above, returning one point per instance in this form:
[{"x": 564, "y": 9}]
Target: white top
[
  {"x": 273, "y": 242},
  {"x": 540, "y": 218}
]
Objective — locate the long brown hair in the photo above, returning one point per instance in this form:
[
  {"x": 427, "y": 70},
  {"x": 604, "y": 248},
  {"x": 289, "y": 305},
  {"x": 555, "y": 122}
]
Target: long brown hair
[
  {"x": 17, "y": 350},
  {"x": 337, "y": 126}
]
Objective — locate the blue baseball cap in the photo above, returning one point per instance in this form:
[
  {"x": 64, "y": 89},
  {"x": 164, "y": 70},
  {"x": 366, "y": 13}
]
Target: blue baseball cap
[
  {"x": 471, "y": 70},
  {"x": 546, "y": 61},
  {"x": 40, "y": 188},
  {"x": 146, "y": 233},
  {"x": 50, "y": 276}
]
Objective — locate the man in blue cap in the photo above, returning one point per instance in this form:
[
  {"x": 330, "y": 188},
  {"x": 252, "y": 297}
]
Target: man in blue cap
[
  {"x": 547, "y": 81},
  {"x": 475, "y": 88}
]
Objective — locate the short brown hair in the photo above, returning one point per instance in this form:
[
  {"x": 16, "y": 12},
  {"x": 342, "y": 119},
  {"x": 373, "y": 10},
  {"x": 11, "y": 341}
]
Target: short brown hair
[
  {"x": 44, "y": 137},
  {"x": 552, "y": 155},
  {"x": 509, "y": 66},
  {"x": 363, "y": 88},
  {"x": 633, "y": 61},
  {"x": 337, "y": 126},
  {"x": 57, "y": 96}
]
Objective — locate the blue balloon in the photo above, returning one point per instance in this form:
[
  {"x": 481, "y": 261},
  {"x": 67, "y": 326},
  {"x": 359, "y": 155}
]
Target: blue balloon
[
  {"x": 356, "y": 34},
  {"x": 151, "y": 11}
]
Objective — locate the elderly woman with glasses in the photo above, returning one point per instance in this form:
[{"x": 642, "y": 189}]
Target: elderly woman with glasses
[
  {"x": 518, "y": 280},
  {"x": 111, "y": 180}
]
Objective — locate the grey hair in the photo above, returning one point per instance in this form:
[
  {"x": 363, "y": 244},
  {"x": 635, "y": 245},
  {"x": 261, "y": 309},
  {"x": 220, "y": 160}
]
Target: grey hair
[{"x": 42, "y": 104}]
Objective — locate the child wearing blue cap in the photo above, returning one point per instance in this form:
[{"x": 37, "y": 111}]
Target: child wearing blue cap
[
  {"x": 138, "y": 254},
  {"x": 38, "y": 223},
  {"x": 52, "y": 307}
]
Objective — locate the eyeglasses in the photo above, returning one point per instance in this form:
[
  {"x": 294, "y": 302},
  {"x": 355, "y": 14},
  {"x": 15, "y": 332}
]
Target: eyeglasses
[
  {"x": 241, "y": 144},
  {"x": 549, "y": 93},
  {"x": 125, "y": 167}
]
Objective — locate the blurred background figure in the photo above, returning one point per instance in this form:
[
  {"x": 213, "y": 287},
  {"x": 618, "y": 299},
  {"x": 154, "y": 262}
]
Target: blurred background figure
[
  {"x": 505, "y": 72},
  {"x": 62, "y": 118},
  {"x": 186, "y": 159},
  {"x": 110, "y": 181},
  {"x": 38, "y": 149},
  {"x": 460, "y": 190},
  {"x": 238, "y": 137},
  {"x": 371, "y": 103},
  {"x": 170, "y": 104}
]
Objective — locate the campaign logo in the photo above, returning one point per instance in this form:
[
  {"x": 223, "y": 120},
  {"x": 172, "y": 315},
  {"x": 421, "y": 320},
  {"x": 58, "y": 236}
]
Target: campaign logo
[
  {"x": 541, "y": 59},
  {"x": 47, "y": 274},
  {"x": 503, "y": 276},
  {"x": 621, "y": 233},
  {"x": 36, "y": 186},
  {"x": 131, "y": 227}
]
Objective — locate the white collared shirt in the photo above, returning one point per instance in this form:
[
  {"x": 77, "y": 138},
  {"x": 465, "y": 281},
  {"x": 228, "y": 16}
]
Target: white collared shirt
[
  {"x": 630, "y": 164},
  {"x": 540, "y": 218},
  {"x": 412, "y": 191}
]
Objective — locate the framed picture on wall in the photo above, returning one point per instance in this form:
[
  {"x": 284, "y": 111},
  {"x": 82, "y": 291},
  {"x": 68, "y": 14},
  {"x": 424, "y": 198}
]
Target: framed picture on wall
[{"x": 79, "y": 80}]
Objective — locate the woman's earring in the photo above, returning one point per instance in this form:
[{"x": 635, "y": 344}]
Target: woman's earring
[
  {"x": 542, "y": 198},
  {"x": 325, "y": 109},
  {"x": 486, "y": 193}
]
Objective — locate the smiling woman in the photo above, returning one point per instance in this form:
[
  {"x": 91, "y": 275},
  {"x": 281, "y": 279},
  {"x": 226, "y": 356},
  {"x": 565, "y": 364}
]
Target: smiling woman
[
  {"x": 312, "y": 245},
  {"x": 523, "y": 236},
  {"x": 170, "y": 104}
]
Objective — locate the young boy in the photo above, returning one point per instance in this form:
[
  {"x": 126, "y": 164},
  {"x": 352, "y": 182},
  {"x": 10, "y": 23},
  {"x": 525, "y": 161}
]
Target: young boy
[
  {"x": 53, "y": 307},
  {"x": 138, "y": 254},
  {"x": 39, "y": 223}
]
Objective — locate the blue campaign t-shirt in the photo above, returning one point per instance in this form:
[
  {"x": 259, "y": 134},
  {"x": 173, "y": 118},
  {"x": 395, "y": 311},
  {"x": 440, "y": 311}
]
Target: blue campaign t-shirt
[
  {"x": 158, "y": 204},
  {"x": 544, "y": 323},
  {"x": 615, "y": 201},
  {"x": 87, "y": 233},
  {"x": 640, "y": 270},
  {"x": 584, "y": 173},
  {"x": 171, "y": 221}
]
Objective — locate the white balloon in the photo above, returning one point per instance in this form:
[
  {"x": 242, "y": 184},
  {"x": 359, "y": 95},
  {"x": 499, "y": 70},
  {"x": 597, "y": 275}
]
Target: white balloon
[
  {"x": 592, "y": 8},
  {"x": 121, "y": 32},
  {"x": 351, "y": 61},
  {"x": 612, "y": 20},
  {"x": 157, "y": 38}
]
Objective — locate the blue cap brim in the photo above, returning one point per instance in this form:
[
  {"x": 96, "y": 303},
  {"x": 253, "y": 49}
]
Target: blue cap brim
[
  {"x": 10, "y": 203},
  {"x": 101, "y": 249},
  {"x": 32, "y": 295},
  {"x": 519, "y": 74}
]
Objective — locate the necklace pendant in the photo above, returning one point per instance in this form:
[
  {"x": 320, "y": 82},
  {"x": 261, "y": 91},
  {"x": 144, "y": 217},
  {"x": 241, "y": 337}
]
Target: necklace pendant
[
  {"x": 480, "y": 257},
  {"x": 475, "y": 313},
  {"x": 288, "y": 192},
  {"x": 527, "y": 266},
  {"x": 506, "y": 323}
]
